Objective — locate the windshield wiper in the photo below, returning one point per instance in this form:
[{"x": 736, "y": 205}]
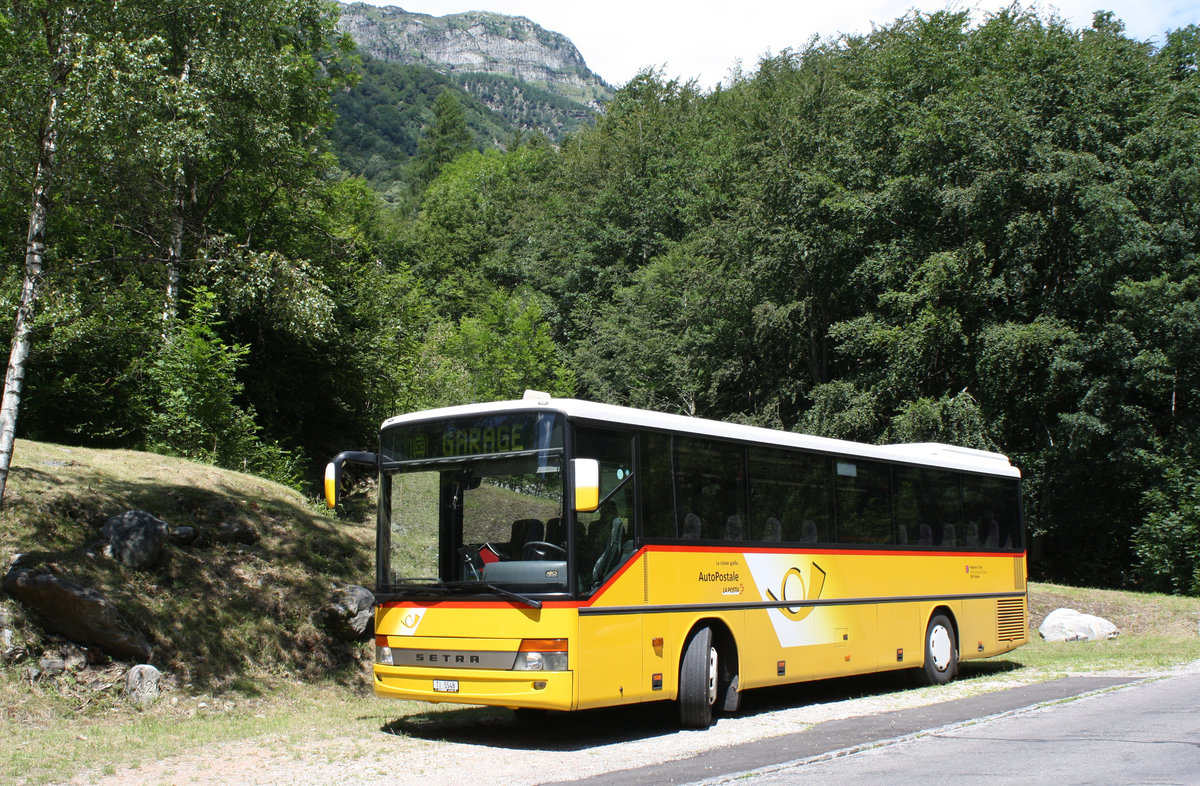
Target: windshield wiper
[
  {"x": 429, "y": 583},
  {"x": 415, "y": 586},
  {"x": 467, "y": 585}
]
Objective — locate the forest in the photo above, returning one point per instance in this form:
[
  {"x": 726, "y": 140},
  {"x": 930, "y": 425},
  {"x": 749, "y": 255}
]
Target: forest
[{"x": 980, "y": 231}]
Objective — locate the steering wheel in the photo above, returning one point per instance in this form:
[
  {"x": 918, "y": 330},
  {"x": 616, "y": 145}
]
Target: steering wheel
[{"x": 540, "y": 549}]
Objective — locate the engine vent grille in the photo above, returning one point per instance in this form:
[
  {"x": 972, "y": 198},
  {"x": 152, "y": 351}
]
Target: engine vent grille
[{"x": 1010, "y": 619}]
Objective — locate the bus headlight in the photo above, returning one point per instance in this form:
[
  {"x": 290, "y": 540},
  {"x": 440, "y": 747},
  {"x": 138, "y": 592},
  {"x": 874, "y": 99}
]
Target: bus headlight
[
  {"x": 542, "y": 655},
  {"x": 383, "y": 653}
]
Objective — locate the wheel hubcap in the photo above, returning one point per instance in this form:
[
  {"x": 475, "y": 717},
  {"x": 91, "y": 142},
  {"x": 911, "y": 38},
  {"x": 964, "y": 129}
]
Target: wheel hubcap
[
  {"x": 712, "y": 675},
  {"x": 940, "y": 648}
]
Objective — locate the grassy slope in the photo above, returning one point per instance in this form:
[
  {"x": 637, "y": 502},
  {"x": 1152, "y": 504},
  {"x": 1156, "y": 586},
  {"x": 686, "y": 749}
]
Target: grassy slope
[
  {"x": 224, "y": 620},
  {"x": 230, "y": 623}
]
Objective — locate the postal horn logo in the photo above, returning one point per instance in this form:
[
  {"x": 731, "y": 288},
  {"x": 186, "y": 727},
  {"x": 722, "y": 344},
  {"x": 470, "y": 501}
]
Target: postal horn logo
[
  {"x": 793, "y": 587},
  {"x": 410, "y": 621}
]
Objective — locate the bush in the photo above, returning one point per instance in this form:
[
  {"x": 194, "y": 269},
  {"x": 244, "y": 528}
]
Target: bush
[{"x": 196, "y": 413}]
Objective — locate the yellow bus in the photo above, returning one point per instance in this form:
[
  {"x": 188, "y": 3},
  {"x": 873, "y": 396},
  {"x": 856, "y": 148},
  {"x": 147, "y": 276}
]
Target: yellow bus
[{"x": 560, "y": 554}]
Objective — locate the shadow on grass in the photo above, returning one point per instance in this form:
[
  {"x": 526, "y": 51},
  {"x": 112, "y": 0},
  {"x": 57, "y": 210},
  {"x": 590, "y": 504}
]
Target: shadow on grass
[{"x": 584, "y": 729}]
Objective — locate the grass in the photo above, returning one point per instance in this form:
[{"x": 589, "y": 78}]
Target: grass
[
  {"x": 290, "y": 715},
  {"x": 1156, "y": 631},
  {"x": 231, "y": 632},
  {"x": 230, "y": 624},
  {"x": 217, "y": 614}
]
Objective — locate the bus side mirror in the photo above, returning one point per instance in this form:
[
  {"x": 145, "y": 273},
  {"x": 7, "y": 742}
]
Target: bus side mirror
[
  {"x": 587, "y": 484},
  {"x": 333, "y": 472}
]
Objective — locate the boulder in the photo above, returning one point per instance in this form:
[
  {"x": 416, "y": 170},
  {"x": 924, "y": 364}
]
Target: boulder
[
  {"x": 349, "y": 615},
  {"x": 77, "y": 613},
  {"x": 135, "y": 537},
  {"x": 237, "y": 531},
  {"x": 1071, "y": 625},
  {"x": 52, "y": 666},
  {"x": 74, "y": 658},
  {"x": 7, "y": 647},
  {"x": 183, "y": 535},
  {"x": 141, "y": 685}
]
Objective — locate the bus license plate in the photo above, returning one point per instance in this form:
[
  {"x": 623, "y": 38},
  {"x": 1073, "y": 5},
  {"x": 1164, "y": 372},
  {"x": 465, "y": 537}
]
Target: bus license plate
[{"x": 445, "y": 686}]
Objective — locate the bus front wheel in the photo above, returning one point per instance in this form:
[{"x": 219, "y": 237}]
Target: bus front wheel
[
  {"x": 698, "y": 676},
  {"x": 941, "y": 652}
]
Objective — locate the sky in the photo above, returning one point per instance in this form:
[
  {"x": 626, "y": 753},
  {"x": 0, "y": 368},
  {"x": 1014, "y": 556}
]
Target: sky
[{"x": 704, "y": 39}]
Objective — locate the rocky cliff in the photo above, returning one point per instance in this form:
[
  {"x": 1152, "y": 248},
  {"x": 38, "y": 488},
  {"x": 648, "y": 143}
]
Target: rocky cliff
[{"x": 476, "y": 43}]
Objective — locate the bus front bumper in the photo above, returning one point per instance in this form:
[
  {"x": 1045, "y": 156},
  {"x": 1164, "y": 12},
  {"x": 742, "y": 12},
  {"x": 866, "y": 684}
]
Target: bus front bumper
[{"x": 552, "y": 690}]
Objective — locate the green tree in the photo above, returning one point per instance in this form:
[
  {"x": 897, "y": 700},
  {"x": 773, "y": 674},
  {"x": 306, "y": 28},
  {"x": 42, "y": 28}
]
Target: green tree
[
  {"x": 446, "y": 138},
  {"x": 194, "y": 406},
  {"x": 496, "y": 354},
  {"x": 70, "y": 76},
  {"x": 239, "y": 123},
  {"x": 475, "y": 220}
]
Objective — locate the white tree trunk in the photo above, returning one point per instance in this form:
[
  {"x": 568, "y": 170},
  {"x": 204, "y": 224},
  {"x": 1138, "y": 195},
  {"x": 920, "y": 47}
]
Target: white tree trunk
[
  {"x": 175, "y": 242},
  {"x": 174, "y": 260},
  {"x": 35, "y": 252}
]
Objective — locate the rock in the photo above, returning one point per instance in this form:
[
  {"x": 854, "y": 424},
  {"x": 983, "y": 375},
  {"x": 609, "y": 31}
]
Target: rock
[
  {"x": 52, "y": 666},
  {"x": 473, "y": 42},
  {"x": 135, "y": 537},
  {"x": 349, "y": 615},
  {"x": 183, "y": 535},
  {"x": 1071, "y": 625},
  {"x": 237, "y": 531},
  {"x": 74, "y": 658},
  {"x": 81, "y": 615},
  {"x": 6, "y": 634},
  {"x": 141, "y": 685}
]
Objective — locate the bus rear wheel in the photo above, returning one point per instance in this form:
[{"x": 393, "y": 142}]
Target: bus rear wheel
[
  {"x": 698, "y": 676},
  {"x": 941, "y": 652}
]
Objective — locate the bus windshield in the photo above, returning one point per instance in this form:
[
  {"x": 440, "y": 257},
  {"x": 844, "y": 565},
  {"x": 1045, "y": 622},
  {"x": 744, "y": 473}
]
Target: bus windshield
[{"x": 473, "y": 506}]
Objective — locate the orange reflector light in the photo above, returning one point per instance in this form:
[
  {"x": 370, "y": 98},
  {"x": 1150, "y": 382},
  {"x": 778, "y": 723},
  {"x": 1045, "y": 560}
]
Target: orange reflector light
[
  {"x": 543, "y": 645},
  {"x": 381, "y": 641}
]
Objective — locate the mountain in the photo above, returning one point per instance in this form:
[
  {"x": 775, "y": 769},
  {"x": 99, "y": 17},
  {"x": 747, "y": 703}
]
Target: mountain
[
  {"x": 379, "y": 121},
  {"x": 535, "y": 78}
]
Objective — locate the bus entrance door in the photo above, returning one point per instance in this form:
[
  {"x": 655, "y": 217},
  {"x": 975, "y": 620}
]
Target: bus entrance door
[{"x": 609, "y": 667}]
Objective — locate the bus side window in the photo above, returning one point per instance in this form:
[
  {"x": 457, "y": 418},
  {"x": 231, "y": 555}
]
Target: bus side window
[
  {"x": 992, "y": 504},
  {"x": 789, "y": 496},
  {"x": 928, "y": 502},
  {"x": 863, "y": 502},
  {"x": 654, "y": 468},
  {"x": 709, "y": 484}
]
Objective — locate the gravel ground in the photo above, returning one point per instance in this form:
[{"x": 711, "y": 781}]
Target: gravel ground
[{"x": 475, "y": 745}]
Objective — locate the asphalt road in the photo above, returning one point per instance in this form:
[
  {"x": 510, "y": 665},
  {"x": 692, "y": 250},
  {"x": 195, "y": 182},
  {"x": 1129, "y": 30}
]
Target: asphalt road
[
  {"x": 1148, "y": 732},
  {"x": 948, "y": 741}
]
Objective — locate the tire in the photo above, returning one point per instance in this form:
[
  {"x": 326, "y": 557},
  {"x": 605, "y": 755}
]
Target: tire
[
  {"x": 698, "y": 676},
  {"x": 941, "y": 652}
]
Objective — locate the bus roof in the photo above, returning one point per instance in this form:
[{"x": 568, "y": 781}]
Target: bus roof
[{"x": 924, "y": 453}]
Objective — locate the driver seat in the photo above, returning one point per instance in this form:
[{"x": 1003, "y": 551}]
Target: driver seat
[{"x": 524, "y": 531}]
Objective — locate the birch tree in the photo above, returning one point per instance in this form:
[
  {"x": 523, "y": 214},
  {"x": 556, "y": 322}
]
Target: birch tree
[{"x": 70, "y": 67}]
